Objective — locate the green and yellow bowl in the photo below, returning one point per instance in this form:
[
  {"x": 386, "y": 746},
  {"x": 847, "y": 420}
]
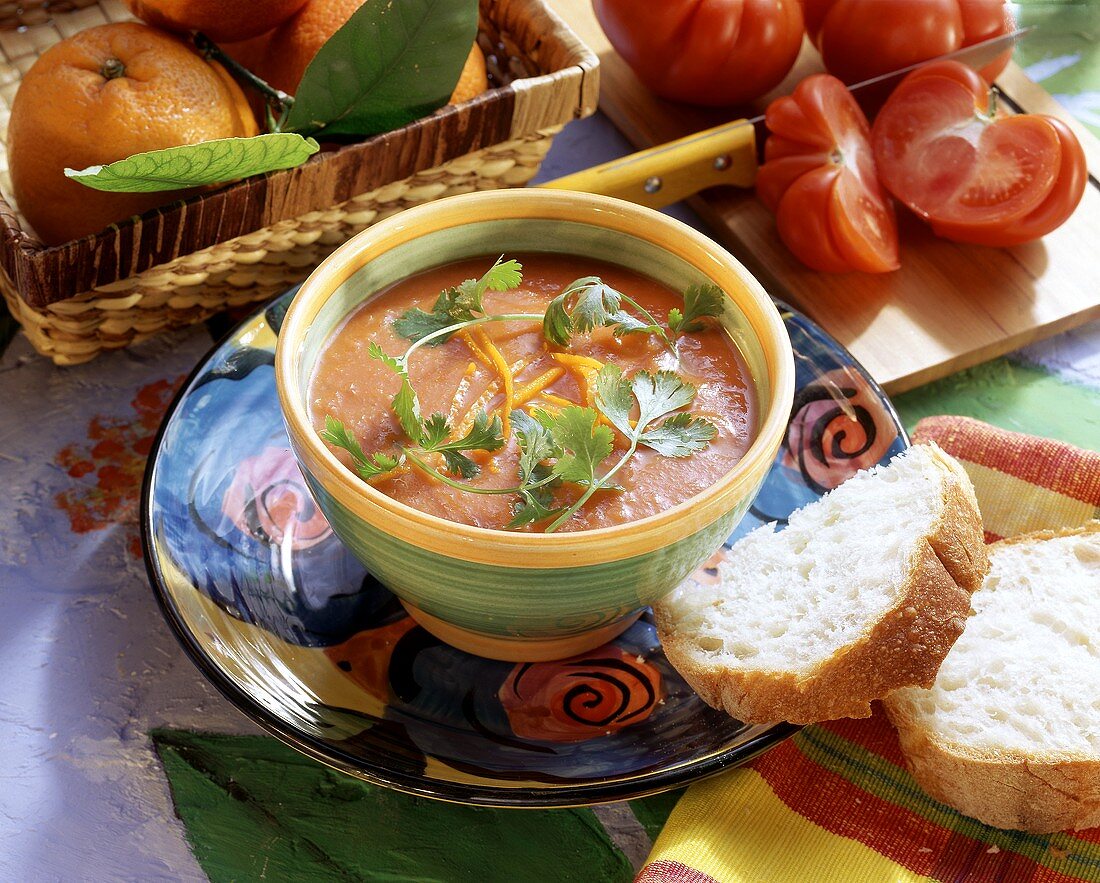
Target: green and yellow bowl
[{"x": 529, "y": 596}]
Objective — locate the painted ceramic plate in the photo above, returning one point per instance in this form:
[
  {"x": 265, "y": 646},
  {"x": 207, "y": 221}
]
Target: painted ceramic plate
[{"x": 295, "y": 632}]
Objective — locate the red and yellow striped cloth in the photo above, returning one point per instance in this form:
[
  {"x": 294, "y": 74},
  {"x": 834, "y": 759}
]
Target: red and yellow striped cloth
[{"x": 835, "y": 802}]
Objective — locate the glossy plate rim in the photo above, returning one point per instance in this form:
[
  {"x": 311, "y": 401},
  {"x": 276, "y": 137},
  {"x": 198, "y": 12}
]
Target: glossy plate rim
[{"x": 611, "y": 790}]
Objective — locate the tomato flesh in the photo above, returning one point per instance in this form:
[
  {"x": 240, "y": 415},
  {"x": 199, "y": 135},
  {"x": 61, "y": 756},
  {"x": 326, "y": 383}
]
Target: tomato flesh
[
  {"x": 941, "y": 154},
  {"x": 1055, "y": 210},
  {"x": 819, "y": 178}
]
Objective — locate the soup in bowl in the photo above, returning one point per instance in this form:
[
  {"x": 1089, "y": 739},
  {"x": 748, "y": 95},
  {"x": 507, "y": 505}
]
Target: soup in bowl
[{"x": 531, "y": 414}]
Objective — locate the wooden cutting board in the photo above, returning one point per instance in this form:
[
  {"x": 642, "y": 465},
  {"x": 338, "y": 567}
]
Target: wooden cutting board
[{"x": 950, "y": 306}]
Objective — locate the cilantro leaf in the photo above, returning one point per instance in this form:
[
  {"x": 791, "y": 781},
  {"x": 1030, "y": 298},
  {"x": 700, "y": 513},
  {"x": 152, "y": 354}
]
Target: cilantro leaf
[
  {"x": 534, "y": 506},
  {"x": 583, "y": 443},
  {"x": 502, "y": 276},
  {"x": 535, "y": 441},
  {"x": 391, "y": 362},
  {"x": 407, "y": 408},
  {"x": 679, "y": 435},
  {"x": 624, "y": 323},
  {"x": 583, "y": 305},
  {"x": 436, "y": 430},
  {"x": 596, "y": 303},
  {"x": 460, "y": 303},
  {"x": 557, "y": 326},
  {"x": 338, "y": 435},
  {"x": 460, "y": 464},
  {"x": 377, "y": 464},
  {"x": 589, "y": 303},
  {"x": 659, "y": 394},
  {"x": 536, "y": 444},
  {"x": 414, "y": 324},
  {"x": 699, "y": 301},
  {"x": 484, "y": 435},
  {"x": 614, "y": 398},
  {"x": 405, "y": 404}
]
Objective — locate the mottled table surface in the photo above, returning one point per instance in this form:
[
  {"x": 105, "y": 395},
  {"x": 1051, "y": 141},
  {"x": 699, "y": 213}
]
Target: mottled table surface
[{"x": 100, "y": 712}]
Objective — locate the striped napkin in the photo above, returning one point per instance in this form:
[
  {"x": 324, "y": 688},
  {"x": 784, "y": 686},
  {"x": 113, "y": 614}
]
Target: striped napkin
[{"x": 835, "y": 803}]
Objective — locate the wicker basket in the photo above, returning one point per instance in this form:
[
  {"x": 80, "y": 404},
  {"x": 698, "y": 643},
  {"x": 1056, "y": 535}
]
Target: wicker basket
[{"x": 246, "y": 242}]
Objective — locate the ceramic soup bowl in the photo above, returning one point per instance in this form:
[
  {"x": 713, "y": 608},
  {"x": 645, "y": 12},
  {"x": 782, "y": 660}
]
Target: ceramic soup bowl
[{"x": 514, "y": 595}]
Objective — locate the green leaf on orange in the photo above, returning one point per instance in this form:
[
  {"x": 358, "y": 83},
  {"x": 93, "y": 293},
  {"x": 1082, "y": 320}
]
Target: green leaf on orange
[
  {"x": 388, "y": 65},
  {"x": 197, "y": 165}
]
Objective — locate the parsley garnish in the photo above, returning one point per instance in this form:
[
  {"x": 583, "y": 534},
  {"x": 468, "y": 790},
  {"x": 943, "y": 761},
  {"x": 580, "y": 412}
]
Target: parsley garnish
[
  {"x": 336, "y": 434},
  {"x": 484, "y": 435},
  {"x": 458, "y": 304},
  {"x": 699, "y": 301},
  {"x": 570, "y": 445},
  {"x": 405, "y": 404},
  {"x": 589, "y": 303},
  {"x": 536, "y": 479},
  {"x": 657, "y": 395}
]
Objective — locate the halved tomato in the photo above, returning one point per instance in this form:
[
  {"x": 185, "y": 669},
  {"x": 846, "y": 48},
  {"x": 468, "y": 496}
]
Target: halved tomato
[
  {"x": 975, "y": 177},
  {"x": 819, "y": 179}
]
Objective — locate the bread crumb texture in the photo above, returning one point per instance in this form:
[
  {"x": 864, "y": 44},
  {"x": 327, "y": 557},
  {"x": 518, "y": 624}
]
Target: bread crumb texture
[
  {"x": 1010, "y": 730},
  {"x": 863, "y": 592}
]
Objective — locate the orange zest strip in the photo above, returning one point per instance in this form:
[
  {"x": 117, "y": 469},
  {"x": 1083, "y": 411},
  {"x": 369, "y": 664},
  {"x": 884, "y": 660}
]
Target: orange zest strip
[
  {"x": 584, "y": 368},
  {"x": 575, "y": 361},
  {"x": 529, "y": 390},
  {"x": 554, "y": 399},
  {"x": 505, "y": 374},
  {"x": 483, "y": 400},
  {"x": 475, "y": 348}
]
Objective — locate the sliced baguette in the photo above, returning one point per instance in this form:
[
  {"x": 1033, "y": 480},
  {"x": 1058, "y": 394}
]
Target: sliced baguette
[
  {"x": 865, "y": 591},
  {"x": 1010, "y": 731}
]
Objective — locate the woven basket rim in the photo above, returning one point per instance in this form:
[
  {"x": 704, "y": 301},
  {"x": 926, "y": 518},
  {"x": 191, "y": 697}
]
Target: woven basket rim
[{"x": 47, "y": 274}]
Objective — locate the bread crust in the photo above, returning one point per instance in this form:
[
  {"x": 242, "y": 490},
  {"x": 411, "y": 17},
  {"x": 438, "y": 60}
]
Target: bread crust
[
  {"x": 904, "y": 648},
  {"x": 1034, "y": 792}
]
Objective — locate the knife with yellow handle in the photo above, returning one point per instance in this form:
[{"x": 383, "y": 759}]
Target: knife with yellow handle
[{"x": 726, "y": 154}]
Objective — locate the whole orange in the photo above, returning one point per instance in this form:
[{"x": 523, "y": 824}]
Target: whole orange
[
  {"x": 293, "y": 44},
  {"x": 474, "y": 78},
  {"x": 102, "y": 95},
  {"x": 221, "y": 21}
]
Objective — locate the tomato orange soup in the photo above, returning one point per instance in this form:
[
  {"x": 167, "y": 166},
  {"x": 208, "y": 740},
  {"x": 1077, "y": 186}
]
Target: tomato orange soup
[{"x": 458, "y": 379}]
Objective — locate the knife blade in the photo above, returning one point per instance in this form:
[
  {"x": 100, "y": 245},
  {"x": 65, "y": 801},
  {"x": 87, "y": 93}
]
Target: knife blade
[{"x": 726, "y": 154}]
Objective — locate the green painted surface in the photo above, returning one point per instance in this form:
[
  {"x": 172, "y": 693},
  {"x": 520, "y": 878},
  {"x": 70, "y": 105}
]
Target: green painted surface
[
  {"x": 652, "y": 812},
  {"x": 1067, "y": 33},
  {"x": 254, "y": 809},
  {"x": 1023, "y": 398}
]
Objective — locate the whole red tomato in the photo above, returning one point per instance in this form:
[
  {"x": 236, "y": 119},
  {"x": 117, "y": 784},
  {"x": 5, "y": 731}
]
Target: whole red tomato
[
  {"x": 860, "y": 39},
  {"x": 974, "y": 176},
  {"x": 712, "y": 52},
  {"x": 819, "y": 179}
]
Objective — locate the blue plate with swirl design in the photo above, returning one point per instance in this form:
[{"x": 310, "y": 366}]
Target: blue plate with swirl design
[{"x": 293, "y": 630}]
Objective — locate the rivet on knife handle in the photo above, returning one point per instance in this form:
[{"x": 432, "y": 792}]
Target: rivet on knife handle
[{"x": 670, "y": 172}]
